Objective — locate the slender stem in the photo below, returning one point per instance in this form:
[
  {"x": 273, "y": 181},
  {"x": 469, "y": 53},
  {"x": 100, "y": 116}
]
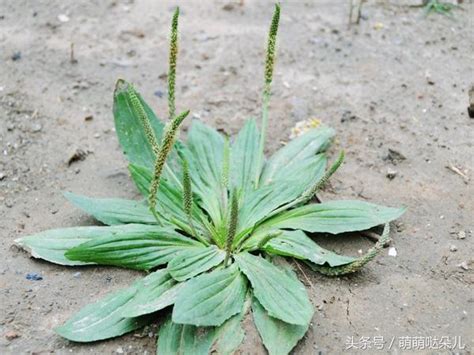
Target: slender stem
[
  {"x": 157, "y": 217},
  {"x": 234, "y": 210},
  {"x": 269, "y": 66}
]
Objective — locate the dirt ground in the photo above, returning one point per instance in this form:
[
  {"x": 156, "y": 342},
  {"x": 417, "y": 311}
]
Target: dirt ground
[{"x": 395, "y": 83}]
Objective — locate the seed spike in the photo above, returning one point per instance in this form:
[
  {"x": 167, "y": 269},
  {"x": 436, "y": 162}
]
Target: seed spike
[
  {"x": 139, "y": 110},
  {"x": 173, "y": 59},
  {"x": 167, "y": 142},
  {"x": 187, "y": 193},
  {"x": 308, "y": 194},
  {"x": 234, "y": 210},
  {"x": 188, "y": 196},
  {"x": 226, "y": 164},
  {"x": 357, "y": 264},
  {"x": 269, "y": 66},
  {"x": 270, "y": 59},
  {"x": 323, "y": 181}
]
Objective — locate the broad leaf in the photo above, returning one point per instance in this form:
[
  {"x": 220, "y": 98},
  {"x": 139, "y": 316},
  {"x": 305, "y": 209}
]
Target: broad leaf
[
  {"x": 289, "y": 162},
  {"x": 229, "y": 335},
  {"x": 205, "y": 156},
  {"x": 277, "y": 336},
  {"x": 283, "y": 297},
  {"x": 137, "y": 246},
  {"x": 244, "y": 157},
  {"x": 259, "y": 203},
  {"x": 52, "y": 244},
  {"x": 194, "y": 261},
  {"x": 112, "y": 211},
  {"x": 130, "y": 130},
  {"x": 157, "y": 291},
  {"x": 210, "y": 299},
  {"x": 179, "y": 339},
  {"x": 335, "y": 217},
  {"x": 103, "y": 319},
  {"x": 298, "y": 245}
]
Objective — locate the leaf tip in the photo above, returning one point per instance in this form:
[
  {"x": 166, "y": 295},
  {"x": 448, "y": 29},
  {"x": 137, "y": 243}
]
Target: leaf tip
[{"x": 120, "y": 86}]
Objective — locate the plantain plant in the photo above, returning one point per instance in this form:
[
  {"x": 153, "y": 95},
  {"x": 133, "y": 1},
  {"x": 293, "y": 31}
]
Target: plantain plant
[{"x": 212, "y": 231}]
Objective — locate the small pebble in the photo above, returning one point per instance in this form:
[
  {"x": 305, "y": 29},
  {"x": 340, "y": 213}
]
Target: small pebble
[
  {"x": 16, "y": 56},
  {"x": 392, "y": 252},
  {"x": 158, "y": 93},
  {"x": 119, "y": 350},
  {"x": 63, "y": 18},
  {"x": 391, "y": 174},
  {"x": 36, "y": 127},
  {"x": 12, "y": 335},
  {"x": 464, "y": 265},
  {"x": 462, "y": 235},
  {"x": 453, "y": 248},
  {"x": 33, "y": 276},
  {"x": 77, "y": 275}
]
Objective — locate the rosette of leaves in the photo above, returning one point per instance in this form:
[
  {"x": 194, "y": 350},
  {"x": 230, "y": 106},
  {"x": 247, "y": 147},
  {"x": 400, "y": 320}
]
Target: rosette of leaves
[{"x": 215, "y": 222}]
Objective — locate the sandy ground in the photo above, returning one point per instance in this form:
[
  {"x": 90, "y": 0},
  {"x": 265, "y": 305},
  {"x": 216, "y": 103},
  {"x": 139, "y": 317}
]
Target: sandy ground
[{"x": 396, "y": 81}]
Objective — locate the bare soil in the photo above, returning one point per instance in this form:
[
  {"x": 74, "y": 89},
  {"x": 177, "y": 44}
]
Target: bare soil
[{"x": 395, "y": 82}]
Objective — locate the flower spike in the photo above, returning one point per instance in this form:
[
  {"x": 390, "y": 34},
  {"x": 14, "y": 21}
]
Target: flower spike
[
  {"x": 173, "y": 58},
  {"x": 169, "y": 136}
]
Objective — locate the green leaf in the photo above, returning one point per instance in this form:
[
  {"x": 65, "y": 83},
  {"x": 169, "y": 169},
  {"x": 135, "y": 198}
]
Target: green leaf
[
  {"x": 259, "y": 203},
  {"x": 298, "y": 245},
  {"x": 129, "y": 129},
  {"x": 157, "y": 291},
  {"x": 289, "y": 162},
  {"x": 179, "y": 339},
  {"x": 229, "y": 335},
  {"x": 194, "y": 261},
  {"x": 103, "y": 319},
  {"x": 277, "y": 336},
  {"x": 283, "y": 297},
  {"x": 112, "y": 211},
  {"x": 170, "y": 200},
  {"x": 244, "y": 157},
  {"x": 212, "y": 298},
  {"x": 205, "y": 156},
  {"x": 134, "y": 246},
  {"x": 52, "y": 244},
  {"x": 335, "y": 217}
]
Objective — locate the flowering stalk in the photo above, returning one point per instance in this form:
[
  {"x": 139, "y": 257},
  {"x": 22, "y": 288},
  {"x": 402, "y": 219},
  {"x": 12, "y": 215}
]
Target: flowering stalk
[
  {"x": 188, "y": 197},
  {"x": 172, "y": 64},
  {"x": 139, "y": 110},
  {"x": 357, "y": 264},
  {"x": 323, "y": 181},
  {"x": 169, "y": 136},
  {"x": 269, "y": 66},
  {"x": 225, "y": 174},
  {"x": 308, "y": 194},
  {"x": 234, "y": 210}
]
